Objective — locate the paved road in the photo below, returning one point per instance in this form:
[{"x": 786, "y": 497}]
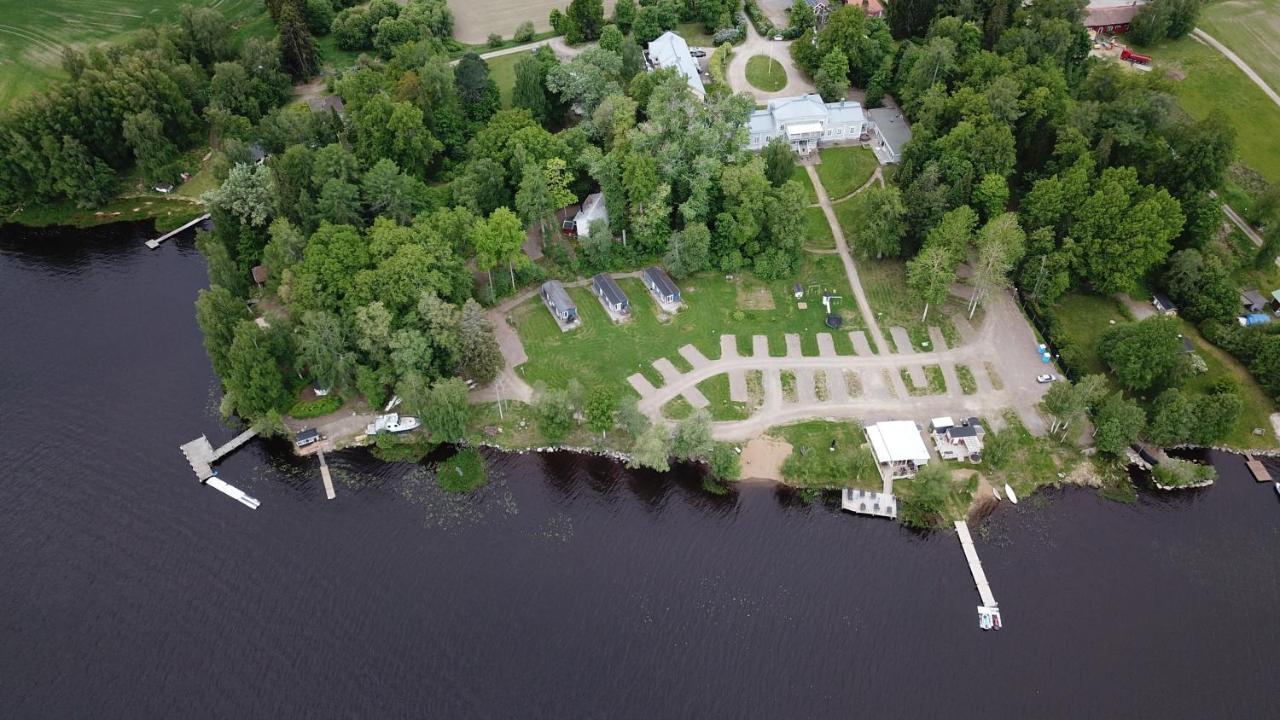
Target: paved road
[
  {"x": 1209, "y": 40},
  {"x": 754, "y": 45},
  {"x": 868, "y": 317}
]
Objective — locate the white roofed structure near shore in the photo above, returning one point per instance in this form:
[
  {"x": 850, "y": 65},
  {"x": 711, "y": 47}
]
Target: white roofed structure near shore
[
  {"x": 670, "y": 50},
  {"x": 898, "y": 447}
]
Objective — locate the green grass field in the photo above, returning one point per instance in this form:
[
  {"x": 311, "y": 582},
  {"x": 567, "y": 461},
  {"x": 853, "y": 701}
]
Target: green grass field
[
  {"x": 765, "y": 73},
  {"x": 799, "y": 175},
  {"x": 813, "y": 463},
  {"x": 817, "y": 232},
  {"x": 885, "y": 282},
  {"x": 696, "y": 35},
  {"x": 32, "y": 35},
  {"x": 1215, "y": 88},
  {"x": 1251, "y": 29},
  {"x": 602, "y": 352},
  {"x": 845, "y": 169},
  {"x": 503, "y": 71}
]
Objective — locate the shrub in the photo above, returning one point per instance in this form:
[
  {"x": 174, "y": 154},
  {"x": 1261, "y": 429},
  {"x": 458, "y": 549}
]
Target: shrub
[
  {"x": 1175, "y": 473},
  {"x": 494, "y": 41},
  {"x": 463, "y": 472},
  {"x": 524, "y": 32},
  {"x": 315, "y": 408}
]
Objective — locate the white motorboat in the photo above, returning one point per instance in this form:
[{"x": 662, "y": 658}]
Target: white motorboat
[
  {"x": 1008, "y": 490},
  {"x": 392, "y": 423}
]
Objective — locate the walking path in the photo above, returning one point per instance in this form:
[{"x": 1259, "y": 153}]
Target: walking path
[
  {"x": 754, "y": 45},
  {"x": 557, "y": 43},
  {"x": 1209, "y": 40},
  {"x": 868, "y": 317}
]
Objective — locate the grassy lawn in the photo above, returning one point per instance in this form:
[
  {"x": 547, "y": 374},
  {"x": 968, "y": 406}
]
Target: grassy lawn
[
  {"x": 817, "y": 231},
  {"x": 845, "y": 169},
  {"x": 799, "y": 175},
  {"x": 168, "y": 212},
  {"x": 716, "y": 389},
  {"x": 32, "y": 35},
  {"x": 1255, "y": 407},
  {"x": 695, "y": 33},
  {"x": 765, "y": 73},
  {"x": 1026, "y": 462},
  {"x": 1250, "y": 29},
  {"x": 885, "y": 282},
  {"x": 1081, "y": 319},
  {"x": 677, "y": 408},
  {"x": 1215, "y": 88},
  {"x": 503, "y": 71},
  {"x": 601, "y": 352},
  {"x": 813, "y": 463},
  {"x": 968, "y": 383}
]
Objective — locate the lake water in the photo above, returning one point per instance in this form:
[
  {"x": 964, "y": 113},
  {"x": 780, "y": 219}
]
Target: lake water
[{"x": 569, "y": 587}]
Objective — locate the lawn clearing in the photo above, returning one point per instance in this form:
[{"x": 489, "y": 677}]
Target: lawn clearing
[
  {"x": 817, "y": 231},
  {"x": 885, "y": 282},
  {"x": 968, "y": 383},
  {"x": 1250, "y": 28},
  {"x": 716, "y": 390},
  {"x": 1215, "y": 88},
  {"x": 677, "y": 409},
  {"x": 799, "y": 175},
  {"x": 1255, "y": 407},
  {"x": 1078, "y": 322},
  {"x": 765, "y": 73},
  {"x": 696, "y": 35},
  {"x": 845, "y": 169},
  {"x": 813, "y": 463},
  {"x": 33, "y": 34},
  {"x": 601, "y": 352},
  {"x": 503, "y": 71}
]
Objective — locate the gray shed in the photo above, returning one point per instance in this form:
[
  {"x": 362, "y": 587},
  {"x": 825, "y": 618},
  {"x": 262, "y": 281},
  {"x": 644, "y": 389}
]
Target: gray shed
[
  {"x": 606, "y": 288},
  {"x": 661, "y": 285},
  {"x": 559, "y": 302}
]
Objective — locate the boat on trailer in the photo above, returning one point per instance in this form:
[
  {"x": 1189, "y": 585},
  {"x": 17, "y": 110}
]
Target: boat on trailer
[{"x": 392, "y": 423}]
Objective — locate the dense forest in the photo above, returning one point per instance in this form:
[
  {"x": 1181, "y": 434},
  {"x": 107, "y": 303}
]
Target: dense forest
[{"x": 385, "y": 229}]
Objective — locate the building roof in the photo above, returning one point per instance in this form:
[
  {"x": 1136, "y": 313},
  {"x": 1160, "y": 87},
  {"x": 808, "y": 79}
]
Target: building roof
[
  {"x": 962, "y": 431},
  {"x": 1275, "y": 295},
  {"x": 798, "y": 109},
  {"x": 608, "y": 287},
  {"x": 307, "y": 434},
  {"x": 257, "y": 152},
  {"x": 1164, "y": 302},
  {"x": 846, "y": 112},
  {"x": 1252, "y": 298},
  {"x": 259, "y": 274},
  {"x": 661, "y": 280},
  {"x": 893, "y": 127},
  {"x": 1187, "y": 345},
  {"x": 328, "y": 102},
  {"x": 941, "y": 423},
  {"x": 897, "y": 441},
  {"x": 593, "y": 208},
  {"x": 557, "y": 295},
  {"x": 1103, "y": 14},
  {"x": 670, "y": 50},
  {"x": 872, "y": 8}
]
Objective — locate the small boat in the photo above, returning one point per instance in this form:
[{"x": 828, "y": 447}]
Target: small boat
[
  {"x": 1008, "y": 490},
  {"x": 1278, "y": 488},
  {"x": 392, "y": 423},
  {"x": 995, "y": 622},
  {"x": 984, "y": 621},
  {"x": 995, "y": 493}
]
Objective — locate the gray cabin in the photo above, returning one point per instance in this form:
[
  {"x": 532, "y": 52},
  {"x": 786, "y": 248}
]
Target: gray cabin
[
  {"x": 559, "y": 302},
  {"x": 309, "y": 436},
  {"x": 661, "y": 285},
  {"x": 606, "y": 288}
]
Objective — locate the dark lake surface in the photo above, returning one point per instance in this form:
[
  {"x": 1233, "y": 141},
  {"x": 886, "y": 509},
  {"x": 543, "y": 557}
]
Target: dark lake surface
[{"x": 569, "y": 587}]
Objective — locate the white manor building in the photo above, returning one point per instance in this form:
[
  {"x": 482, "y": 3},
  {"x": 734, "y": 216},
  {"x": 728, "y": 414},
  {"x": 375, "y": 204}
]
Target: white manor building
[
  {"x": 807, "y": 123},
  {"x": 670, "y": 50}
]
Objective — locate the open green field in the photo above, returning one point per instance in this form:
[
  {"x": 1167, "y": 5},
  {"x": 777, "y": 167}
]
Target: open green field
[
  {"x": 845, "y": 169},
  {"x": 503, "y": 71},
  {"x": 765, "y": 73},
  {"x": 1215, "y": 88},
  {"x": 885, "y": 282},
  {"x": 799, "y": 175},
  {"x": 1251, "y": 28},
  {"x": 817, "y": 232},
  {"x": 601, "y": 352},
  {"x": 813, "y": 463},
  {"x": 696, "y": 35},
  {"x": 32, "y": 35}
]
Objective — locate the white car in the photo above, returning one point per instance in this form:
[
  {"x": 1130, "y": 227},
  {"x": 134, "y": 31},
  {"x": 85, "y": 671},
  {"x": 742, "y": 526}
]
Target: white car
[{"x": 1045, "y": 378}]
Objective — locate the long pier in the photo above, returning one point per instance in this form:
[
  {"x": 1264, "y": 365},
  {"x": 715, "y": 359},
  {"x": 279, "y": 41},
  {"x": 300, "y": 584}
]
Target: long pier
[
  {"x": 201, "y": 455},
  {"x": 989, "y": 605},
  {"x": 153, "y": 244},
  {"x": 324, "y": 475}
]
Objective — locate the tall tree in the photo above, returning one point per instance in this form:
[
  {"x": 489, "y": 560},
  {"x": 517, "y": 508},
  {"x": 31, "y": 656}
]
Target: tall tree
[
  {"x": 447, "y": 411},
  {"x": 930, "y": 275},
  {"x": 297, "y": 47},
  {"x": 530, "y": 90},
  {"x": 1001, "y": 244},
  {"x": 477, "y": 91},
  {"x": 153, "y": 151},
  {"x": 779, "y": 160},
  {"x": 481, "y": 356},
  {"x": 882, "y": 228}
]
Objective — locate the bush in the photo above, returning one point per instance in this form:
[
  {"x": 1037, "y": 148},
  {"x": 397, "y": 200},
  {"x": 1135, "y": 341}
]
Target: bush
[
  {"x": 494, "y": 41},
  {"x": 524, "y": 32},
  {"x": 315, "y": 408},
  {"x": 1175, "y": 473},
  {"x": 463, "y": 472},
  {"x": 727, "y": 35}
]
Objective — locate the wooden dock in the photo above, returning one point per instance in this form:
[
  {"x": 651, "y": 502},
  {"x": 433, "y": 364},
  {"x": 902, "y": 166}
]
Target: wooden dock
[
  {"x": 202, "y": 455},
  {"x": 975, "y": 565},
  {"x": 868, "y": 502},
  {"x": 324, "y": 475},
  {"x": 1256, "y": 468},
  {"x": 153, "y": 244}
]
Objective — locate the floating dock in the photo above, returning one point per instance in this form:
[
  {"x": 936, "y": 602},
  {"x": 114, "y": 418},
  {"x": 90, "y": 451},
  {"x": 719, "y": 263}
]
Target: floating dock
[
  {"x": 867, "y": 502},
  {"x": 153, "y": 244},
  {"x": 201, "y": 455},
  {"x": 1256, "y": 468},
  {"x": 324, "y": 475},
  {"x": 989, "y": 608}
]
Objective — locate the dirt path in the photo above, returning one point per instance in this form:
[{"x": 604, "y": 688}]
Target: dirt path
[
  {"x": 1209, "y": 40},
  {"x": 562, "y": 49},
  {"x": 868, "y": 317}
]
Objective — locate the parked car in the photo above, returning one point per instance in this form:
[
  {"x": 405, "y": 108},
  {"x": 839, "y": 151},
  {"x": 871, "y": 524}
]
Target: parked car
[
  {"x": 698, "y": 53},
  {"x": 1046, "y": 378}
]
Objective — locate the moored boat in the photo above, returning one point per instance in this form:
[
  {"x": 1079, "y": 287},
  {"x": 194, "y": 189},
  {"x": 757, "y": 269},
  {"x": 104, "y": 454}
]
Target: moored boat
[{"x": 1008, "y": 490}]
